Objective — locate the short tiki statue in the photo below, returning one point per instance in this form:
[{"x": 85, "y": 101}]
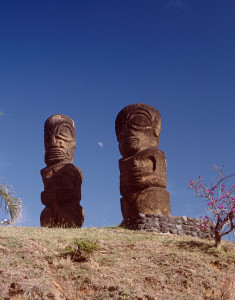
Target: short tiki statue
[
  {"x": 61, "y": 178},
  {"x": 143, "y": 166}
]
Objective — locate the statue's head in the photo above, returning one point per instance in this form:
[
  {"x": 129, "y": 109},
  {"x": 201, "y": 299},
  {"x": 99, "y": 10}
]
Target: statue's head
[
  {"x": 137, "y": 128},
  {"x": 59, "y": 140}
]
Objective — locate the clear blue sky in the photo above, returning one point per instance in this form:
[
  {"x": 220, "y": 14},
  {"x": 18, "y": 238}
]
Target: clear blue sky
[{"x": 88, "y": 59}]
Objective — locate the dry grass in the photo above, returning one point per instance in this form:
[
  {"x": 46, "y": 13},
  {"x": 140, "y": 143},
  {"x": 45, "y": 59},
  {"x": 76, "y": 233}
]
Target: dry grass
[{"x": 112, "y": 263}]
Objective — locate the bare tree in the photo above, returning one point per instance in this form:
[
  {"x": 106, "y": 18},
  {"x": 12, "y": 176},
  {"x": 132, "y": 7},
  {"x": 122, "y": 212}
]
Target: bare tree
[{"x": 220, "y": 203}]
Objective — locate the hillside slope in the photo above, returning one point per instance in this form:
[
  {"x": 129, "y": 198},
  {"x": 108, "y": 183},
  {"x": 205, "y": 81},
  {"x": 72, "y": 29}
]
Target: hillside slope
[{"x": 112, "y": 263}]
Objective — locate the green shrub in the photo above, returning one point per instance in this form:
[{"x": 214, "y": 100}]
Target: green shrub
[{"x": 80, "y": 250}]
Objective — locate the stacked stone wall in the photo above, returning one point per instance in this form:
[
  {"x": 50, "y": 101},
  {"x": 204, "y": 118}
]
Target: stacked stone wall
[{"x": 169, "y": 224}]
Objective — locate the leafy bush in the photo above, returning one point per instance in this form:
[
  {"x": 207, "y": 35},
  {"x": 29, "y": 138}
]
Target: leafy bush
[{"x": 80, "y": 249}]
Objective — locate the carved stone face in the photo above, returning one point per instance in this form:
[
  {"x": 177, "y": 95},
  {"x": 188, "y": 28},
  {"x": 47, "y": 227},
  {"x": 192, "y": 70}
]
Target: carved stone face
[
  {"x": 137, "y": 127},
  {"x": 59, "y": 140}
]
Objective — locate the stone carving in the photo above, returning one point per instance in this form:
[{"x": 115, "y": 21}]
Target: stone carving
[
  {"x": 143, "y": 166},
  {"x": 62, "y": 180}
]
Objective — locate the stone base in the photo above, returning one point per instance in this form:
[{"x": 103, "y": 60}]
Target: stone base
[
  {"x": 66, "y": 217},
  {"x": 166, "y": 224},
  {"x": 154, "y": 200}
]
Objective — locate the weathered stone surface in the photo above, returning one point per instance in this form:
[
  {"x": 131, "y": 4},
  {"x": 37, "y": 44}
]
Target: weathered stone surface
[
  {"x": 148, "y": 201},
  {"x": 167, "y": 224},
  {"x": 163, "y": 219},
  {"x": 62, "y": 180},
  {"x": 179, "y": 227},
  {"x": 143, "y": 166}
]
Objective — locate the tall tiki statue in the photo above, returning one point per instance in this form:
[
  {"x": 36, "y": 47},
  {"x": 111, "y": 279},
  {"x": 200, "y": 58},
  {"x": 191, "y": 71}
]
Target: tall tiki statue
[
  {"x": 143, "y": 166},
  {"x": 62, "y": 180}
]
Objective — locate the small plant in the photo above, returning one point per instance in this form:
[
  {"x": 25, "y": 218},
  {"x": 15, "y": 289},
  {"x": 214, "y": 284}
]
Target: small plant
[
  {"x": 80, "y": 250},
  {"x": 220, "y": 203}
]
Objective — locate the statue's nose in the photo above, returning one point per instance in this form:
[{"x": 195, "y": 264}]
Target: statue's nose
[
  {"x": 53, "y": 140},
  {"x": 125, "y": 133}
]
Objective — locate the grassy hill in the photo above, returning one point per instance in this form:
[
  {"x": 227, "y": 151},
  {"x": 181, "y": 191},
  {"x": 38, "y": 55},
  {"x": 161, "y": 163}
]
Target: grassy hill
[{"x": 112, "y": 263}]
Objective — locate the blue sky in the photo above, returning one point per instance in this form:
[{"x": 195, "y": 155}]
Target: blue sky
[{"x": 88, "y": 59}]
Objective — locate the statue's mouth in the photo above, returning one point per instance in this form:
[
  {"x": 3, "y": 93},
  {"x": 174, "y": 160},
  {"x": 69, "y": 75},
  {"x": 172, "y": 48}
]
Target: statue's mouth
[
  {"x": 55, "y": 152},
  {"x": 129, "y": 145},
  {"x": 130, "y": 142},
  {"x": 55, "y": 155}
]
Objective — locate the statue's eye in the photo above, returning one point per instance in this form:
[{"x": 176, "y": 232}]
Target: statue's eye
[
  {"x": 140, "y": 120},
  {"x": 65, "y": 131}
]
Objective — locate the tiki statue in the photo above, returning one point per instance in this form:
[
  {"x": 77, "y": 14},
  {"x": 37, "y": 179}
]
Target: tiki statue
[
  {"x": 62, "y": 180},
  {"x": 143, "y": 166}
]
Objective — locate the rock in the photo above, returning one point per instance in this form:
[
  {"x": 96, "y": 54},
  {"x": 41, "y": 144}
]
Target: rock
[
  {"x": 163, "y": 219},
  {"x": 147, "y": 226},
  {"x": 140, "y": 215},
  {"x": 177, "y": 220},
  {"x": 140, "y": 221},
  {"x": 164, "y": 225},
  {"x": 179, "y": 232},
  {"x": 185, "y": 227},
  {"x": 178, "y": 227},
  {"x": 156, "y": 215}
]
